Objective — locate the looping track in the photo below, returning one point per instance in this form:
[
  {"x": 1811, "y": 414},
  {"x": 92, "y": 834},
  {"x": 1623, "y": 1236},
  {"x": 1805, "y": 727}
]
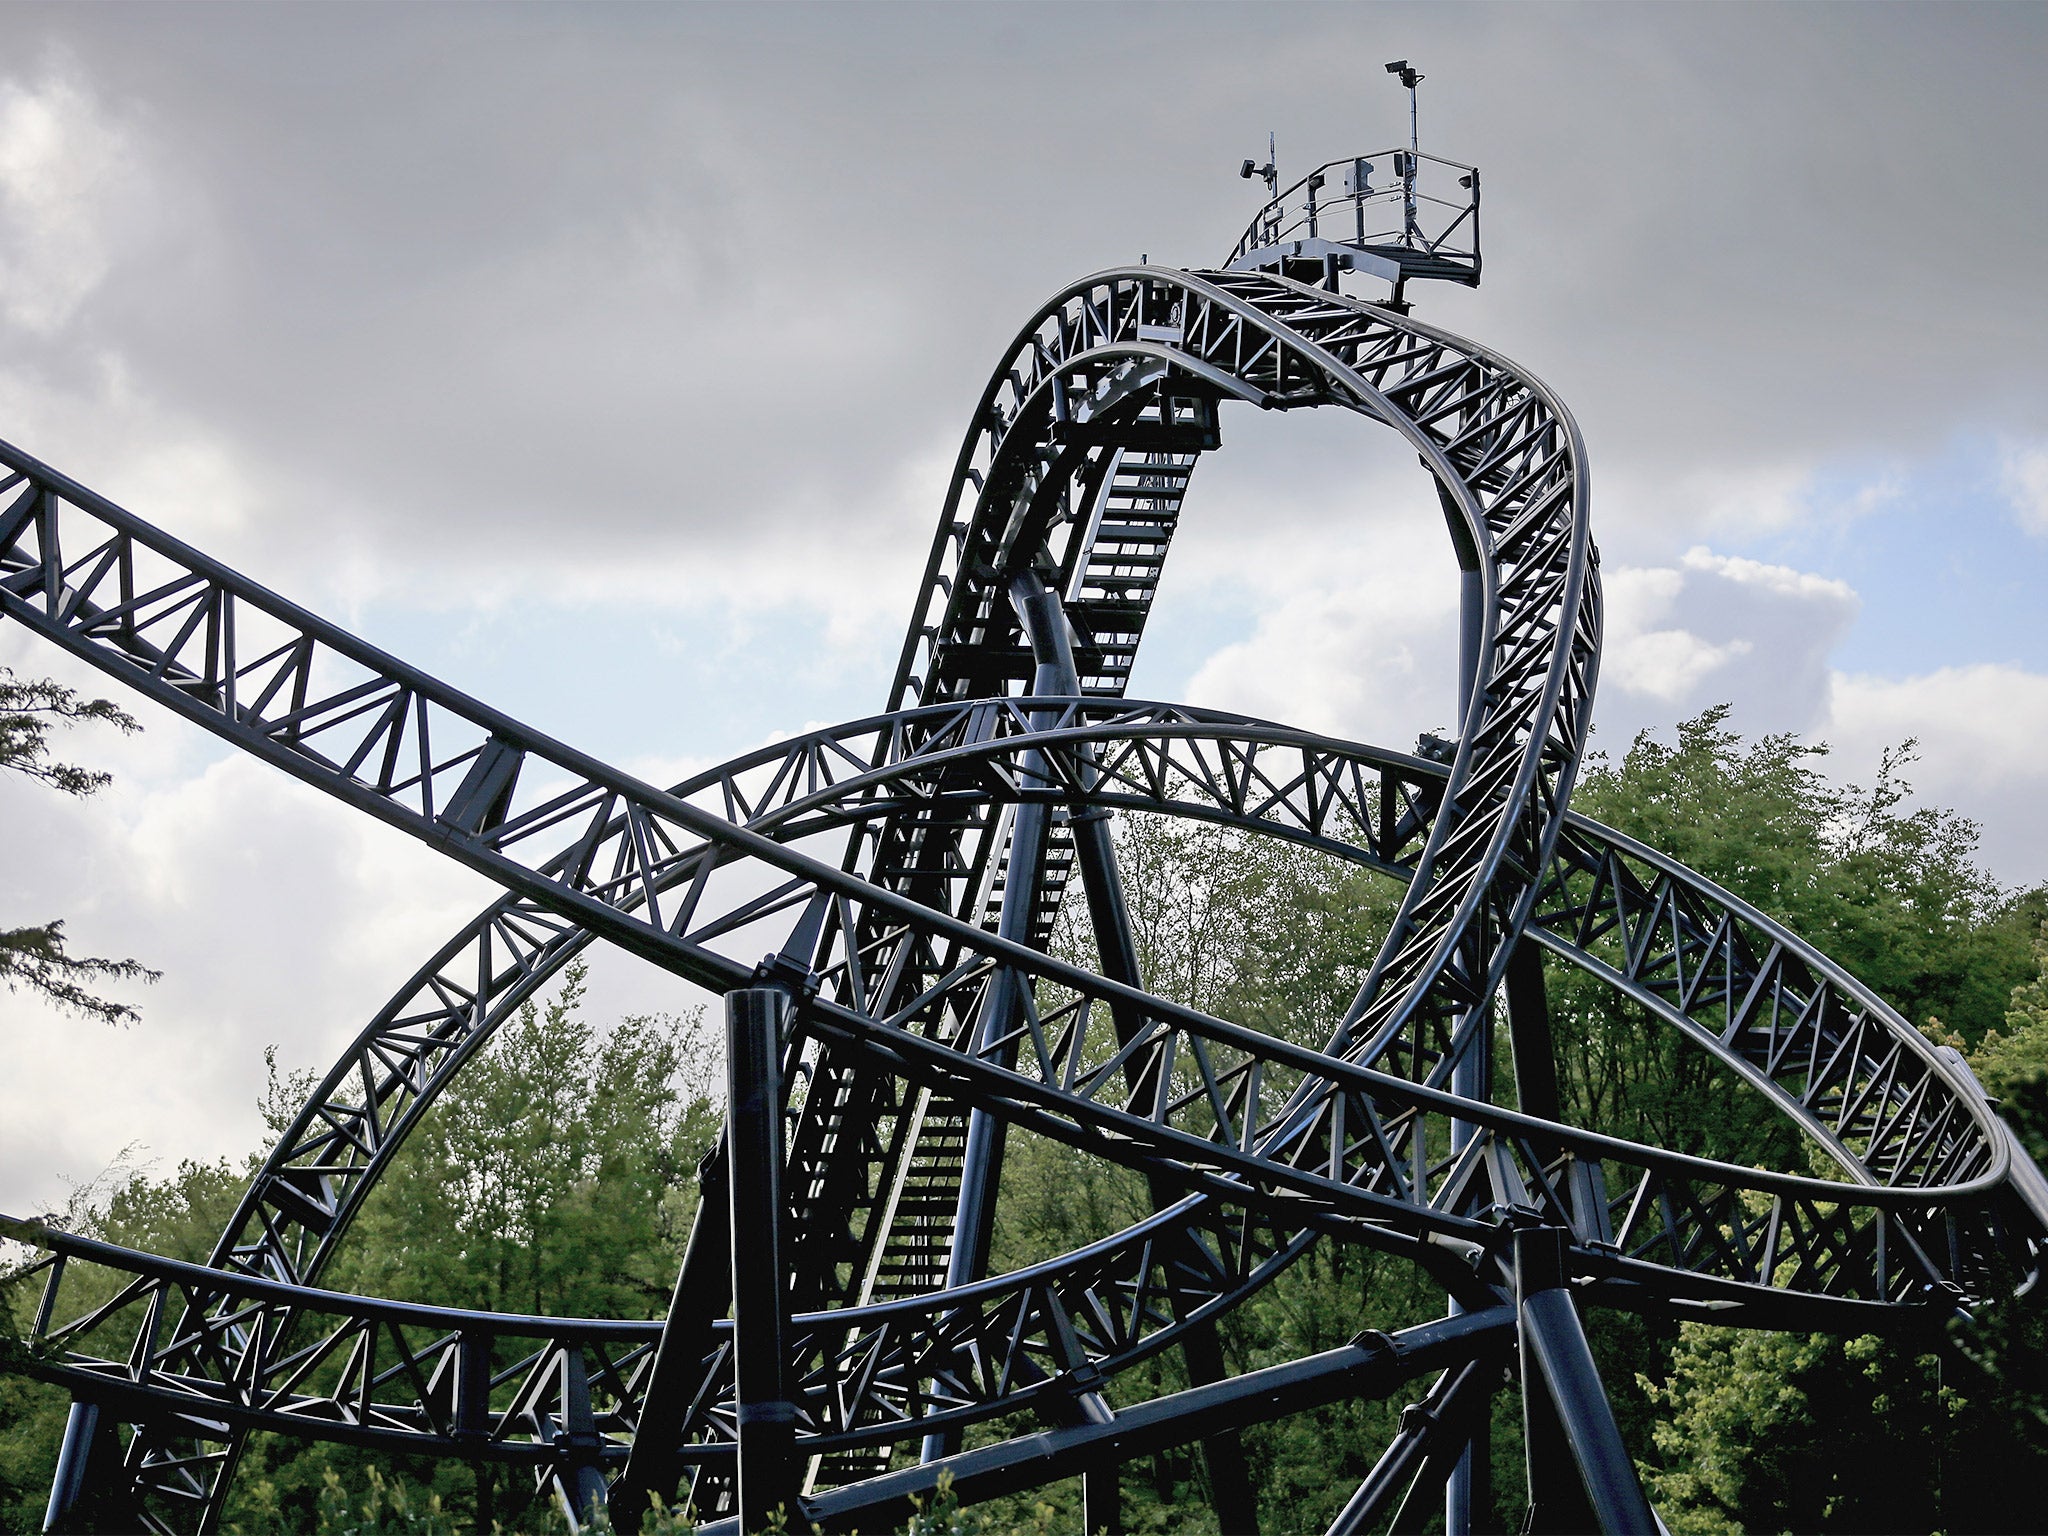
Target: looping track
[{"x": 907, "y": 869}]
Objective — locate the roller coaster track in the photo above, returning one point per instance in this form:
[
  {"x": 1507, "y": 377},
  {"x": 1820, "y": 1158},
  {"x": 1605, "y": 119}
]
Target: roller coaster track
[{"x": 902, "y": 873}]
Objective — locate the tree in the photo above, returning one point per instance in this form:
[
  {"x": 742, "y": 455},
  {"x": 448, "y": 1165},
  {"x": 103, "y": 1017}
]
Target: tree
[
  {"x": 556, "y": 1176},
  {"x": 1818, "y": 1431},
  {"x": 2013, "y": 1062},
  {"x": 36, "y": 957}
]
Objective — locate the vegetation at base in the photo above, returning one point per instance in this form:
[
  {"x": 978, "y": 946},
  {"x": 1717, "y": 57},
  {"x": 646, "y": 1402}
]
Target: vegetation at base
[{"x": 558, "y": 1175}]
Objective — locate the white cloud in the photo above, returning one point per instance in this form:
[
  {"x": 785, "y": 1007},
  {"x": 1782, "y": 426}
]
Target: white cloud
[
  {"x": 2025, "y": 481},
  {"x": 1780, "y": 580},
  {"x": 1669, "y": 664},
  {"x": 277, "y": 916},
  {"x": 1716, "y": 627},
  {"x": 1980, "y": 730}
]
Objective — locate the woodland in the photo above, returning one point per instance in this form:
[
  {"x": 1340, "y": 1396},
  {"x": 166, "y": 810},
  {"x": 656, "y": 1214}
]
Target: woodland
[{"x": 559, "y": 1175}]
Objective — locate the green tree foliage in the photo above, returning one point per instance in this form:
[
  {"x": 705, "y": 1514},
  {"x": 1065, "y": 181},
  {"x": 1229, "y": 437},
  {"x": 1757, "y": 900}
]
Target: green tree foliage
[
  {"x": 36, "y": 957},
  {"x": 2013, "y": 1062},
  {"x": 557, "y": 1177},
  {"x": 1819, "y": 1432}
]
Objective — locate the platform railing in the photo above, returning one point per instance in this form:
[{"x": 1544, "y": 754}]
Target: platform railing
[{"x": 1417, "y": 210}]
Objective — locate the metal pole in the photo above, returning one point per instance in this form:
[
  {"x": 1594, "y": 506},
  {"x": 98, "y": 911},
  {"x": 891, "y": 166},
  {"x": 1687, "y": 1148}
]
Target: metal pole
[
  {"x": 1529, "y": 1033},
  {"x": 1414, "y": 225},
  {"x": 1102, "y": 1508},
  {"x": 1468, "y": 1488},
  {"x": 1430, "y": 1430},
  {"x": 1045, "y": 628},
  {"x": 767, "y": 1418},
  {"x": 74, "y": 1454},
  {"x": 981, "y": 1160},
  {"x": 581, "y": 1478},
  {"x": 1555, "y": 1357}
]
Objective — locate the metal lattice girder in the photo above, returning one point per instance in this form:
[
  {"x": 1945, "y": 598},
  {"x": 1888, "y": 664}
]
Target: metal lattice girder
[
  {"x": 1230, "y": 1127},
  {"x": 1693, "y": 955},
  {"x": 883, "y": 868},
  {"x": 932, "y": 1362}
]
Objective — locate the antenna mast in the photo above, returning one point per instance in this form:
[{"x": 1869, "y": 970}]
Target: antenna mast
[{"x": 1411, "y": 226}]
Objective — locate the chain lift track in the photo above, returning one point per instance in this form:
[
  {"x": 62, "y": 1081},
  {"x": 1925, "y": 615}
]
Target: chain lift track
[{"x": 834, "y": 1330}]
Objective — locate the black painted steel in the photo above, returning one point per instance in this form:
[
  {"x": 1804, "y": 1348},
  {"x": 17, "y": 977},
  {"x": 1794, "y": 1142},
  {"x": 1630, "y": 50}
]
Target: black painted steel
[
  {"x": 755, "y": 1022},
  {"x": 1557, "y": 1363},
  {"x": 903, "y": 873}
]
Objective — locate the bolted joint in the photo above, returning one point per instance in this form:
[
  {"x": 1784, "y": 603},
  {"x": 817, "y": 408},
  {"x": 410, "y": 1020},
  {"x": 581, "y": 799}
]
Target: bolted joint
[
  {"x": 791, "y": 976},
  {"x": 1539, "y": 1260}
]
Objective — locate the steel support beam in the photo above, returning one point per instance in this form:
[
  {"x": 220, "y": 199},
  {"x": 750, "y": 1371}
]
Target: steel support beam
[
  {"x": 579, "y": 1479},
  {"x": 1040, "y": 616},
  {"x": 1529, "y": 1034},
  {"x": 1429, "y": 1441},
  {"x": 1556, "y": 1361},
  {"x": 1050, "y": 636},
  {"x": 1557, "y": 1500},
  {"x": 1370, "y": 1366},
  {"x": 702, "y": 1296},
  {"x": 1468, "y": 1489},
  {"x": 754, "y": 1019},
  {"x": 84, "y": 1457},
  {"x": 1557, "y": 1503}
]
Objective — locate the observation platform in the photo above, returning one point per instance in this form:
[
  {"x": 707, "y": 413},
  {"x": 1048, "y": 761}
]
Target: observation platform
[{"x": 1396, "y": 215}]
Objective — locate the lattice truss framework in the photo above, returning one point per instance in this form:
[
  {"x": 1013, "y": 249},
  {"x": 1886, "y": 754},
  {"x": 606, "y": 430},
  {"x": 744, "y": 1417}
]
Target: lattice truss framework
[{"x": 902, "y": 873}]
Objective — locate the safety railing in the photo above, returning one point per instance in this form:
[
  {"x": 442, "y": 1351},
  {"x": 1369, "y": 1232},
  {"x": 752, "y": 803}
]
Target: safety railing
[{"x": 1417, "y": 211}]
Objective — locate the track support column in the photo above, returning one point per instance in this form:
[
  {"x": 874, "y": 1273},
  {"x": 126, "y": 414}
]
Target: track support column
[
  {"x": 754, "y": 1018},
  {"x": 1425, "y": 1451},
  {"x": 1468, "y": 1490},
  {"x": 703, "y": 1293},
  {"x": 82, "y": 1457},
  {"x": 1557, "y": 1363}
]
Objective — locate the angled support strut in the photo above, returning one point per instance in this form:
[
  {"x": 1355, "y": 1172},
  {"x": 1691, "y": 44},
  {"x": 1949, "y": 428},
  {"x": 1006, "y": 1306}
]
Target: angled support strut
[{"x": 1557, "y": 1362}]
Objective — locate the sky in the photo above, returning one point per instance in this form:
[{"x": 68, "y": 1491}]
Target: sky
[{"x": 608, "y": 363}]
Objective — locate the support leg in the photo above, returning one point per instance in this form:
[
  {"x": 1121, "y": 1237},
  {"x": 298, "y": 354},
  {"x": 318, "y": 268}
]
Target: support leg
[
  {"x": 1045, "y": 627},
  {"x": 76, "y": 1455},
  {"x": 1433, "y": 1434},
  {"x": 1039, "y": 614},
  {"x": 1230, "y": 1482},
  {"x": 1529, "y": 1033},
  {"x": 1557, "y": 1496},
  {"x": 1468, "y": 1489},
  {"x": 1556, "y": 1360},
  {"x": 580, "y": 1482},
  {"x": 702, "y": 1295},
  {"x": 767, "y": 1418},
  {"x": 1102, "y": 1507}
]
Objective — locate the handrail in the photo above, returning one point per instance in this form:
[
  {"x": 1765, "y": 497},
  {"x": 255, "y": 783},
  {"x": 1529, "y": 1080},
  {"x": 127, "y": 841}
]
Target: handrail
[{"x": 1416, "y": 210}]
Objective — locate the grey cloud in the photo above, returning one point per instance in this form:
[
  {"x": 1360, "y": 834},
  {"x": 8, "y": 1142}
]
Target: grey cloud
[{"x": 457, "y": 283}]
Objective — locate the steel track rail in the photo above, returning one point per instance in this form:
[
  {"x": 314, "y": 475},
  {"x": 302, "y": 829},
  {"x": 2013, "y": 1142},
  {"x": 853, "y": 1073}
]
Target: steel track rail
[
  {"x": 1362, "y": 1139},
  {"x": 1265, "y": 783},
  {"x": 1106, "y": 359}
]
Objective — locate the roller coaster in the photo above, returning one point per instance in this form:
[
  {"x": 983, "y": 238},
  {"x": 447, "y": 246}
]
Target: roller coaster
[{"x": 876, "y": 903}]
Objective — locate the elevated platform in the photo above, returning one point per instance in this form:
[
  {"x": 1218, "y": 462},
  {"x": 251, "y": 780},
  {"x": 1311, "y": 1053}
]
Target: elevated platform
[{"x": 1395, "y": 215}]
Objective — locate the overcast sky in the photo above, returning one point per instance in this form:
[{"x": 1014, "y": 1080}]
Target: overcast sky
[{"x": 608, "y": 363}]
